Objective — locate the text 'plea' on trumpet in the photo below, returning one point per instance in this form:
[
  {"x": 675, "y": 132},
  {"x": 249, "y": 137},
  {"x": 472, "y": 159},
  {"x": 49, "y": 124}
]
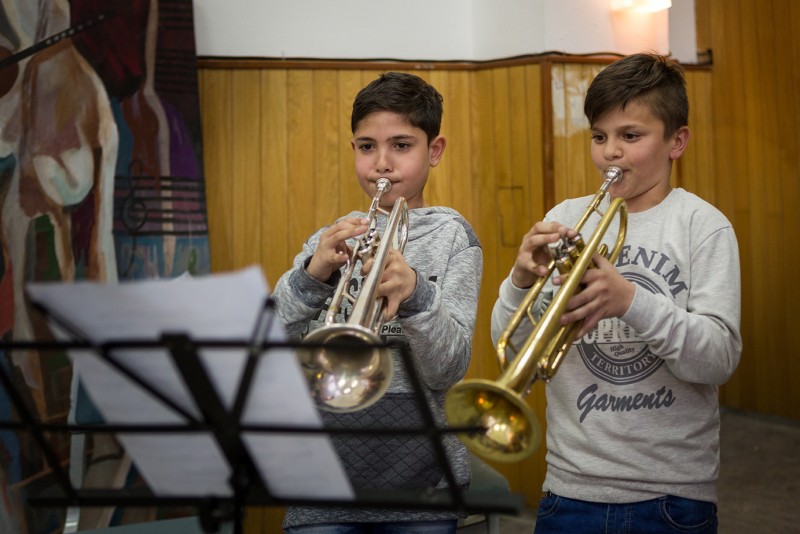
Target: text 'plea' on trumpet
[
  {"x": 510, "y": 431},
  {"x": 345, "y": 369}
]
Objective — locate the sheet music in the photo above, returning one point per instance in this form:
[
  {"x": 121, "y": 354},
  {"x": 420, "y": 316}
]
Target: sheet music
[{"x": 219, "y": 307}]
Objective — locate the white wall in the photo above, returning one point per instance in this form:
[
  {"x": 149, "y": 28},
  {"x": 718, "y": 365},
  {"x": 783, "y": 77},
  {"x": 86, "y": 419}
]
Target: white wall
[
  {"x": 435, "y": 29},
  {"x": 683, "y": 31},
  {"x": 507, "y": 28}
]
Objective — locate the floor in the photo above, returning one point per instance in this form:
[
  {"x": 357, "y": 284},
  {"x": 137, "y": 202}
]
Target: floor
[
  {"x": 759, "y": 484},
  {"x": 759, "y": 488}
]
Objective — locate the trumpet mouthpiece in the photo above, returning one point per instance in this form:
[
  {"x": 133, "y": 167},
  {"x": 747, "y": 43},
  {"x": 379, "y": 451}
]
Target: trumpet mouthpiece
[
  {"x": 613, "y": 174},
  {"x": 383, "y": 184}
]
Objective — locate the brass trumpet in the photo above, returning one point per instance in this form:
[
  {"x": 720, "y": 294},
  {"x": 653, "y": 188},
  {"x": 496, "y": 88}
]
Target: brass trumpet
[
  {"x": 511, "y": 430},
  {"x": 345, "y": 371}
]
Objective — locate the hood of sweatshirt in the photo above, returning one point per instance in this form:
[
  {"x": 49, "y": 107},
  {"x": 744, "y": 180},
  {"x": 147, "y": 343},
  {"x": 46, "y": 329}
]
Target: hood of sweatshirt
[{"x": 421, "y": 221}]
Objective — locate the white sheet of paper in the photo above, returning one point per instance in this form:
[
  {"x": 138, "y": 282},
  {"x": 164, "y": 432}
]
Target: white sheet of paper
[{"x": 213, "y": 307}]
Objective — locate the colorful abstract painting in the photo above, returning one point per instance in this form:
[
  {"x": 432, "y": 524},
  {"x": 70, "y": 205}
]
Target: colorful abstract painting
[{"x": 101, "y": 178}]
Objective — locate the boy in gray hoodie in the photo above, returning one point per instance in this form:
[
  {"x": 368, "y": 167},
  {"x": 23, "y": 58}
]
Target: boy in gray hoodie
[
  {"x": 432, "y": 293},
  {"x": 632, "y": 413}
]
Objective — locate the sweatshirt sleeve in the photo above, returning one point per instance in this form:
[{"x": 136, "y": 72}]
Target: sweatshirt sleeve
[
  {"x": 439, "y": 321},
  {"x": 702, "y": 343},
  {"x": 298, "y": 296},
  {"x": 509, "y": 298}
]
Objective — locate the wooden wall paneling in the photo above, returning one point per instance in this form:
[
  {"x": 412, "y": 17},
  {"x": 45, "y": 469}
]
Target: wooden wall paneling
[
  {"x": 225, "y": 192},
  {"x": 504, "y": 163},
  {"x": 350, "y": 194},
  {"x": 500, "y": 126},
  {"x": 245, "y": 168},
  {"x": 325, "y": 144},
  {"x": 732, "y": 392},
  {"x": 457, "y": 161},
  {"x": 485, "y": 146},
  {"x": 755, "y": 157},
  {"x": 783, "y": 193},
  {"x": 557, "y": 108},
  {"x": 302, "y": 199},
  {"x": 790, "y": 155},
  {"x": 438, "y": 191},
  {"x": 581, "y": 174},
  {"x": 566, "y": 154},
  {"x": 464, "y": 192},
  {"x": 263, "y": 520},
  {"x": 476, "y": 182},
  {"x": 437, "y": 188},
  {"x": 277, "y": 249},
  {"x": 452, "y": 184},
  {"x": 487, "y": 225},
  {"x": 484, "y": 222},
  {"x": 573, "y": 172},
  {"x": 567, "y": 157},
  {"x": 765, "y": 157},
  {"x": 548, "y": 163},
  {"x": 535, "y": 113},
  {"x": 582, "y": 142},
  {"x": 777, "y": 109},
  {"x": 518, "y": 206},
  {"x": 534, "y": 467},
  {"x": 501, "y": 199},
  {"x": 756, "y": 164},
  {"x": 505, "y": 201},
  {"x": 215, "y": 98},
  {"x": 527, "y": 151},
  {"x": 784, "y": 184},
  {"x": 754, "y": 325},
  {"x": 693, "y": 170},
  {"x": 730, "y": 163}
]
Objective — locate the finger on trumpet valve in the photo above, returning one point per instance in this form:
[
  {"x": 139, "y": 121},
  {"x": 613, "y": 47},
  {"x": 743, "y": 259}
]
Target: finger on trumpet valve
[{"x": 554, "y": 248}]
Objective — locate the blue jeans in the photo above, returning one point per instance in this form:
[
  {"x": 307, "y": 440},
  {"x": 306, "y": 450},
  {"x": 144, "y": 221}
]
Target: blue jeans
[
  {"x": 404, "y": 527},
  {"x": 664, "y": 515}
]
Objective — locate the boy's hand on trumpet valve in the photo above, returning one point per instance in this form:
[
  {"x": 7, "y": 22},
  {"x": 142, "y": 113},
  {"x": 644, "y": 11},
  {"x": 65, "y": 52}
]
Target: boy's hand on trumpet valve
[
  {"x": 533, "y": 256},
  {"x": 605, "y": 294},
  {"x": 397, "y": 283},
  {"x": 332, "y": 251}
]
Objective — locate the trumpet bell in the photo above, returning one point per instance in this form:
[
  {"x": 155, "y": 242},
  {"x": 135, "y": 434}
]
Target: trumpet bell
[
  {"x": 344, "y": 368},
  {"x": 511, "y": 431}
]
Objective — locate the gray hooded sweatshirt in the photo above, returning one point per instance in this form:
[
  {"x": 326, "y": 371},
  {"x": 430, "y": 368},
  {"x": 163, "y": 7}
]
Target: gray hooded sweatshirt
[{"x": 436, "y": 323}]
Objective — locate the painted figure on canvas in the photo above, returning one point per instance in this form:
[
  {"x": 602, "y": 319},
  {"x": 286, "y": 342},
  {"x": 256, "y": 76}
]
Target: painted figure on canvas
[{"x": 100, "y": 178}]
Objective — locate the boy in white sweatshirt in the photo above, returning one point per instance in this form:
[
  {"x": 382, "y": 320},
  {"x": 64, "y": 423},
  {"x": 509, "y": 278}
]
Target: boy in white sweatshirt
[{"x": 632, "y": 413}]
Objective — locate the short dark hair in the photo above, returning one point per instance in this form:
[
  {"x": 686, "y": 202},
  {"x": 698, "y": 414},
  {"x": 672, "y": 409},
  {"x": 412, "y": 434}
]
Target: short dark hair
[
  {"x": 650, "y": 79},
  {"x": 405, "y": 94}
]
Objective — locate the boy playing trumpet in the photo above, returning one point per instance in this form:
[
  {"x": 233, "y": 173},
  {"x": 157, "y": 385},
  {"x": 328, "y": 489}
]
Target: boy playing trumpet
[
  {"x": 632, "y": 414},
  {"x": 432, "y": 293}
]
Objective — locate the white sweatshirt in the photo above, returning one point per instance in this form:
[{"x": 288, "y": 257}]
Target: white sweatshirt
[{"x": 632, "y": 412}]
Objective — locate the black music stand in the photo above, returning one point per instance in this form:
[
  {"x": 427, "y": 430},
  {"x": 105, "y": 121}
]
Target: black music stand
[{"x": 226, "y": 426}]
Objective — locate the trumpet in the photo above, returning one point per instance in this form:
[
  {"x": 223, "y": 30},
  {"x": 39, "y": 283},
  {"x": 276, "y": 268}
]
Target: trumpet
[
  {"x": 511, "y": 430},
  {"x": 345, "y": 370}
]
